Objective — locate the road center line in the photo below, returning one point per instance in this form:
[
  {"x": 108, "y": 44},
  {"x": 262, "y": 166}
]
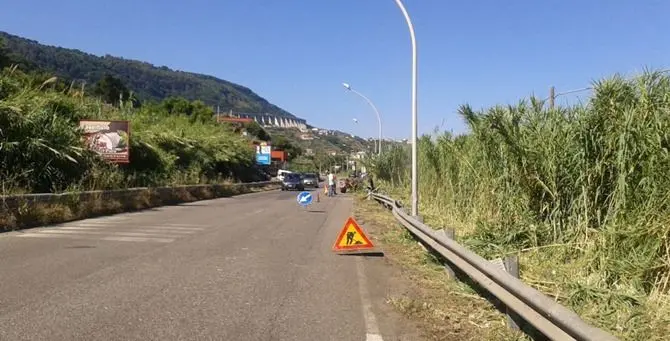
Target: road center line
[{"x": 372, "y": 329}]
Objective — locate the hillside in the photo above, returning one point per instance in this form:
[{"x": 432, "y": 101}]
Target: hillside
[
  {"x": 338, "y": 142},
  {"x": 147, "y": 81}
]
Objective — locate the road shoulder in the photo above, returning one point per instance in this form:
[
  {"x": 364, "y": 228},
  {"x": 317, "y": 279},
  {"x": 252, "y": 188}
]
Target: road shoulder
[{"x": 418, "y": 287}]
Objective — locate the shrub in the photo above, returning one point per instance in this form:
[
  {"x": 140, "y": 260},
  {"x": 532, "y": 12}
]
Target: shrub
[
  {"x": 42, "y": 150},
  {"x": 580, "y": 190}
]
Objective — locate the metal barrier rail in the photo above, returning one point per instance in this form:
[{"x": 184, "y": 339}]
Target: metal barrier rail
[{"x": 547, "y": 316}]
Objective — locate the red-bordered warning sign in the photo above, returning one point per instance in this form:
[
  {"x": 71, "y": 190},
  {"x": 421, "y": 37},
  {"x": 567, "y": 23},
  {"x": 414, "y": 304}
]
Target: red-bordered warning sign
[{"x": 352, "y": 237}]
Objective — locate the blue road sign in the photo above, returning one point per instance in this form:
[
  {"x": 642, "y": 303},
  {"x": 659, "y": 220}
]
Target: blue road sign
[
  {"x": 263, "y": 159},
  {"x": 305, "y": 198}
]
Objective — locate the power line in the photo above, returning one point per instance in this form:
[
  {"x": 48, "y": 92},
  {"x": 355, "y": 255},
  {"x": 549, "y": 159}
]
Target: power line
[{"x": 553, "y": 95}]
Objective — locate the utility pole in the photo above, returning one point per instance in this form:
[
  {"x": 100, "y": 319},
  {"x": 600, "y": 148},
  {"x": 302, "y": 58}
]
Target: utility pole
[{"x": 552, "y": 97}]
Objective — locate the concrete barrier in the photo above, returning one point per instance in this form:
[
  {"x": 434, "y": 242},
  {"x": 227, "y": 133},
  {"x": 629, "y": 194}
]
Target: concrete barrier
[{"x": 29, "y": 210}]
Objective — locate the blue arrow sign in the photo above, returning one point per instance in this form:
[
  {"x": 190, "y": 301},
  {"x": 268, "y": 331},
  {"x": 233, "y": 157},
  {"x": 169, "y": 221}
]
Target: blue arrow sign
[{"x": 305, "y": 198}]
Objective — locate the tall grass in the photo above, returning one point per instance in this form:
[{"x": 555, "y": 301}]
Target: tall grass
[
  {"x": 42, "y": 150},
  {"x": 580, "y": 192}
]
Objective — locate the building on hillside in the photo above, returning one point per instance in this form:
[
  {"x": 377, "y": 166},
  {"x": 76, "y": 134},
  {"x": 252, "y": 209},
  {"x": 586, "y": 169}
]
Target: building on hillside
[
  {"x": 279, "y": 156},
  {"x": 221, "y": 118},
  {"x": 270, "y": 120},
  {"x": 306, "y": 137},
  {"x": 358, "y": 155},
  {"x": 236, "y": 122}
]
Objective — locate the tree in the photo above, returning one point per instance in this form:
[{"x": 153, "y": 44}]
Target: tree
[
  {"x": 4, "y": 55},
  {"x": 321, "y": 161},
  {"x": 280, "y": 142},
  {"x": 111, "y": 90},
  {"x": 254, "y": 129},
  {"x": 199, "y": 111},
  {"x": 196, "y": 110}
]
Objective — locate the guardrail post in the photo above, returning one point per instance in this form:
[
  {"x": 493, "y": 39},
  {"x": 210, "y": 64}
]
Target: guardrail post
[
  {"x": 512, "y": 267},
  {"x": 548, "y": 319},
  {"x": 448, "y": 233}
]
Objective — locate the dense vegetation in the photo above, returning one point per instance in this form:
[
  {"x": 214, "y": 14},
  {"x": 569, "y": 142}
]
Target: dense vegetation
[
  {"x": 581, "y": 193},
  {"x": 147, "y": 82},
  {"x": 319, "y": 162},
  {"x": 173, "y": 142}
]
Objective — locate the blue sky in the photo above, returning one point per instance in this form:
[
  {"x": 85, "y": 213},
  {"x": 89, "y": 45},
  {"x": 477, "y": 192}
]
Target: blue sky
[{"x": 296, "y": 53}]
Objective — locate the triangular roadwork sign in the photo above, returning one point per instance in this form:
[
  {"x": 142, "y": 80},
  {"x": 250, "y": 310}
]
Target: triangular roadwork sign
[{"x": 352, "y": 237}]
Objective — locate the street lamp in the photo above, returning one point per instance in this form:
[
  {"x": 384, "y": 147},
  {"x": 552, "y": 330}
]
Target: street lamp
[
  {"x": 379, "y": 119},
  {"x": 415, "y": 179}
]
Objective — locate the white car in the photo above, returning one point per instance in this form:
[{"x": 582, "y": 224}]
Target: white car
[{"x": 281, "y": 173}]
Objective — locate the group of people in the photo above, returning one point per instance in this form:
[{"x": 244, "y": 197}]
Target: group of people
[{"x": 332, "y": 184}]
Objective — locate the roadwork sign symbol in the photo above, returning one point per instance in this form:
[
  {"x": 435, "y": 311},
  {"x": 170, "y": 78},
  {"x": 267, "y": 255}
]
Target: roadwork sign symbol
[
  {"x": 305, "y": 198},
  {"x": 352, "y": 237}
]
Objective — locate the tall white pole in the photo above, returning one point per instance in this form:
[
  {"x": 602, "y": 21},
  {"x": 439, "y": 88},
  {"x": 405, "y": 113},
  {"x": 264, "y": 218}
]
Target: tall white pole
[
  {"x": 379, "y": 119},
  {"x": 415, "y": 177}
]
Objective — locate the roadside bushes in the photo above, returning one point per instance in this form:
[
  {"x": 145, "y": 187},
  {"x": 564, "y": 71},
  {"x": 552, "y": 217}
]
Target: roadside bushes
[
  {"x": 41, "y": 146},
  {"x": 581, "y": 192}
]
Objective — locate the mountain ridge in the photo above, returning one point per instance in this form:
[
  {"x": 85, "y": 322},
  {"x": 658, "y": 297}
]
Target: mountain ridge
[{"x": 147, "y": 81}]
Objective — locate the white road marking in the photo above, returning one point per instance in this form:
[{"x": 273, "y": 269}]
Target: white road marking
[
  {"x": 109, "y": 218},
  {"x": 73, "y": 228},
  {"x": 372, "y": 332},
  {"x": 131, "y": 234},
  {"x": 118, "y": 239},
  {"x": 138, "y": 226},
  {"x": 44, "y": 235},
  {"x": 171, "y": 228},
  {"x": 373, "y": 337},
  {"x": 183, "y": 225},
  {"x": 91, "y": 224},
  {"x": 138, "y": 239},
  {"x": 155, "y": 230}
]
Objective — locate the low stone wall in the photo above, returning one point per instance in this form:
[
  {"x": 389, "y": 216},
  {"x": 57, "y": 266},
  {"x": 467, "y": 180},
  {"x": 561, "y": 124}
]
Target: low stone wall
[{"x": 30, "y": 210}]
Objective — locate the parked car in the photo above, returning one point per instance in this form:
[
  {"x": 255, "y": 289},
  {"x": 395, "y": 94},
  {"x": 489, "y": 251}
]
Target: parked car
[
  {"x": 292, "y": 181},
  {"x": 310, "y": 180},
  {"x": 282, "y": 173}
]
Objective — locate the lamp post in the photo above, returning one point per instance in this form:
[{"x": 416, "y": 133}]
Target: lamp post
[
  {"x": 379, "y": 119},
  {"x": 415, "y": 180}
]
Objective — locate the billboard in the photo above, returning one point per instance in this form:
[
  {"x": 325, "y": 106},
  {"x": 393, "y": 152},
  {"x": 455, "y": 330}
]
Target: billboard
[
  {"x": 263, "y": 159},
  {"x": 263, "y": 154},
  {"x": 110, "y": 139}
]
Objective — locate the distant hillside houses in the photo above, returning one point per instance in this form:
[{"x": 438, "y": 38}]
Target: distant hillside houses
[
  {"x": 322, "y": 131},
  {"x": 272, "y": 120}
]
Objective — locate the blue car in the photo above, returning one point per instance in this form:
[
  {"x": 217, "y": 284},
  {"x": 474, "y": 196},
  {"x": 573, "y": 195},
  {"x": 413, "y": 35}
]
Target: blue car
[{"x": 292, "y": 182}]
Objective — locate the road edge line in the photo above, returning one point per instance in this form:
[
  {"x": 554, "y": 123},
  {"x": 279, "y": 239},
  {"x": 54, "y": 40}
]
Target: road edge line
[{"x": 372, "y": 329}]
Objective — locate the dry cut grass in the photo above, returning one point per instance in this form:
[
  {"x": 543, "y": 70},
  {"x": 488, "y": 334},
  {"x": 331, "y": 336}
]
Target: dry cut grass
[{"x": 445, "y": 309}]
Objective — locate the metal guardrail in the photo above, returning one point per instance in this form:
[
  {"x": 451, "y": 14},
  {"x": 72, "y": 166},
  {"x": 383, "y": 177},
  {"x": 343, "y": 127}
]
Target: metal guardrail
[{"x": 546, "y": 315}]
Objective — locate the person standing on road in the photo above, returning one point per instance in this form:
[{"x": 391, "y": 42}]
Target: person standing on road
[{"x": 331, "y": 184}]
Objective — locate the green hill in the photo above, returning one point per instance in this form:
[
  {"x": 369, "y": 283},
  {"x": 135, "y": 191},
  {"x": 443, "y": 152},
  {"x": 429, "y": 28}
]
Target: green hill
[{"x": 148, "y": 82}]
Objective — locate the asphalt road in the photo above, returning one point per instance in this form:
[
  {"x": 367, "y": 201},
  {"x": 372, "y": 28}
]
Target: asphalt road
[{"x": 251, "y": 267}]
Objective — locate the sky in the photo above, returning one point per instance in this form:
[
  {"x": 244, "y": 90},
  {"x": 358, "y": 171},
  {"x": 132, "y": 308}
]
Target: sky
[{"x": 297, "y": 53}]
